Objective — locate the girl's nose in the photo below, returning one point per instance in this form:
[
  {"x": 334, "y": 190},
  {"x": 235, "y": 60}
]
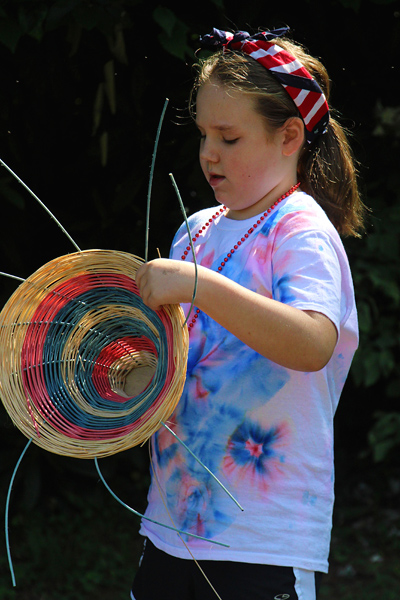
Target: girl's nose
[{"x": 208, "y": 151}]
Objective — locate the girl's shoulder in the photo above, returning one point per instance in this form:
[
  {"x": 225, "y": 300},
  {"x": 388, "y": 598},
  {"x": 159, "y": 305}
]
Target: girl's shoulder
[
  {"x": 301, "y": 202},
  {"x": 197, "y": 220},
  {"x": 201, "y": 216},
  {"x": 301, "y": 212}
]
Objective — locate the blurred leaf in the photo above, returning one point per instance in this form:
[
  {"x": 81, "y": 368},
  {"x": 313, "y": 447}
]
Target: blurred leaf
[
  {"x": 98, "y": 107},
  {"x": 10, "y": 32},
  {"x": 58, "y": 11},
  {"x": 74, "y": 36},
  {"x": 118, "y": 47},
  {"x": 372, "y": 372},
  {"x": 354, "y": 4},
  {"x": 166, "y": 19},
  {"x": 393, "y": 388},
  {"x": 385, "y": 434},
  {"x": 384, "y": 284},
  {"x": 174, "y": 36},
  {"x": 384, "y": 1},
  {"x": 109, "y": 80},
  {"x": 31, "y": 20},
  {"x": 388, "y": 120},
  {"x": 364, "y": 316},
  {"x": 89, "y": 15},
  {"x": 386, "y": 362},
  {"x": 103, "y": 148},
  {"x": 11, "y": 195}
]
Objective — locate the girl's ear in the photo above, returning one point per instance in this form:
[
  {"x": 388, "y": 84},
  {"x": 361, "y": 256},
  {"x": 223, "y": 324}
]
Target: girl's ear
[{"x": 293, "y": 136}]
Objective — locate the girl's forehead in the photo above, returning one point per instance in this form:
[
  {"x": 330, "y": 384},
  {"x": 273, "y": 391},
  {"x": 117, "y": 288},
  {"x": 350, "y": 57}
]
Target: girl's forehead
[
  {"x": 214, "y": 89},
  {"x": 226, "y": 105}
]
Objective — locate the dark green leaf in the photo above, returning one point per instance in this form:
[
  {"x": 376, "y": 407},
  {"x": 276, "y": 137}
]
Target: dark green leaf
[
  {"x": 9, "y": 193},
  {"x": 364, "y": 316},
  {"x": 166, "y": 19},
  {"x": 10, "y": 33},
  {"x": 58, "y": 11},
  {"x": 174, "y": 35},
  {"x": 354, "y": 4}
]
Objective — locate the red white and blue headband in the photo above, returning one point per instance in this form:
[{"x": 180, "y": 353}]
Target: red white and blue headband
[{"x": 291, "y": 74}]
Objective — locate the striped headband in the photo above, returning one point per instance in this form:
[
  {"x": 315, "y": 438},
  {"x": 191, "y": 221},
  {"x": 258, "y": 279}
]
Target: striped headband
[{"x": 297, "y": 81}]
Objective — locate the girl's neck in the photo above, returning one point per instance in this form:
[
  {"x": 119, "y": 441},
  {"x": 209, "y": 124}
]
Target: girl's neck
[{"x": 260, "y": 206}]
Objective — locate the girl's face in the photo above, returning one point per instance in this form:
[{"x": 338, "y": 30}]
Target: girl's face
[{"x": 241, "y": 160}]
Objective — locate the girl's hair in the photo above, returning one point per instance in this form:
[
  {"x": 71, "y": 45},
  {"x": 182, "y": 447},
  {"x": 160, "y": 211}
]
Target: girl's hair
[{"x": 326, "y": 167}]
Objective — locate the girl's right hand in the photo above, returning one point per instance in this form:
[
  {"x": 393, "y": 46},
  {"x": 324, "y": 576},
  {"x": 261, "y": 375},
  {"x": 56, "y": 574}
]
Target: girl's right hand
[{"x": 165, "y": 281}]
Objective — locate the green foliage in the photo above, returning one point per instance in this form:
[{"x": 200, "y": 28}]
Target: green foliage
[
  {"x": 357, "y": 4},
  {"x": 376, "y": 271},
  {"x": 8, "y": 193},
  {"x": 68, "y": 536},
  {"x": 353, "y": 4},
  {"x": 174, "y": 34},
  {"x": 71, "y": 550},
  {"x": 384, "y": 436},
  {"x": 19, "y": 18},
  {"x": 364, "y": 556},
  {"x": 377, "y": 282},
  {"x": 364, "y": 561}
]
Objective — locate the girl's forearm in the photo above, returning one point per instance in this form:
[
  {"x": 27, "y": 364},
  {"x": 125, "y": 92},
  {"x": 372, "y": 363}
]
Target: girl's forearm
[{"x": 296, "y": 339}]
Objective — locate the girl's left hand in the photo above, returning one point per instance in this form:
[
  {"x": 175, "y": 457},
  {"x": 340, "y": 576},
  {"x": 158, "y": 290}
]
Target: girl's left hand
[{"x": 165, "y": 281}]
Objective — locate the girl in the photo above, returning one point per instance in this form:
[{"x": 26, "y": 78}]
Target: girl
[{"x": 271, "y": 338}]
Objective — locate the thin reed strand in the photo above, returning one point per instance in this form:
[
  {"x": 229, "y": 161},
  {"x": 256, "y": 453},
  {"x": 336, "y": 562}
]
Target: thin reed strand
[
  {"x": 191, "y": 245},
  {"x": 172, "y": 521},
  {"x": 135, "y": 512},
  {"x": 146, "y": 250},
  {"x": 203, "y": 465},
  {"x": 8, "y": 510},
  {"x": 11, "y": 276},
  {"x": 41, "y": 203}
]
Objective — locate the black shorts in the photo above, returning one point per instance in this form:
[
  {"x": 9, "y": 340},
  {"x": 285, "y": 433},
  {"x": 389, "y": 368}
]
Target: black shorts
[{"x": 164, "y": 577}]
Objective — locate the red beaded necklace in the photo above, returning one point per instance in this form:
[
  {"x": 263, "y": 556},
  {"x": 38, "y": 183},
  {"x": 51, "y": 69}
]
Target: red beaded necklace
[{"x": 238, "y": 243}]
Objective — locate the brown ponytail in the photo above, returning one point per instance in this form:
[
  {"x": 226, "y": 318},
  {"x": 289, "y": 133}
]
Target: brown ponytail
[{"x": 327, "y": 172}]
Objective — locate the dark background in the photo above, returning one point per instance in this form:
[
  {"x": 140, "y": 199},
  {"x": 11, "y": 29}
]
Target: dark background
[{"x": 82, "y": 88}]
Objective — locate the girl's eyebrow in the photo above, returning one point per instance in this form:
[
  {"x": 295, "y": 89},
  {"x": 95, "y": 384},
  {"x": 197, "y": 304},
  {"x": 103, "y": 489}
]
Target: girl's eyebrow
[{"x": 222, "y": 127}]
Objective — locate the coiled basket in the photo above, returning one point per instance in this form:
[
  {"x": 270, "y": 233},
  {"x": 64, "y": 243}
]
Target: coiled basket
[{"x": 86, "y": 369}]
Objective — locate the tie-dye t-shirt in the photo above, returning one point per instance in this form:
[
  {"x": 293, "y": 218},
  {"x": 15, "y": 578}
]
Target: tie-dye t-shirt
[{"x": 265, "y": 431}]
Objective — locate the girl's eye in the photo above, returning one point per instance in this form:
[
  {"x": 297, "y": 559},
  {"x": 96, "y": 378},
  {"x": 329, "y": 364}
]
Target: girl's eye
[{"x": 230, "y": 142}]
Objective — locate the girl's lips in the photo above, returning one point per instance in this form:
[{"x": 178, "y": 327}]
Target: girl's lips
[{"x": 214, "y": 179}]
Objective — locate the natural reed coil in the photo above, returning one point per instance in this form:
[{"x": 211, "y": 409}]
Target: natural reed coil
[{"x": 86, "y": 369}]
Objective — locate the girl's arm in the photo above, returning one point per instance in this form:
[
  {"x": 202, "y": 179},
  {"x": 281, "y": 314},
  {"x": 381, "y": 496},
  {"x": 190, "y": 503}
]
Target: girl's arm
[{"x": 296, "y": 339}]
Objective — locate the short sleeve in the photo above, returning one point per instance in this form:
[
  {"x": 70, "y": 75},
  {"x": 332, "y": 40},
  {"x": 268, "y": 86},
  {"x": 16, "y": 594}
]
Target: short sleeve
[{"x": 307, "y": 273}]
